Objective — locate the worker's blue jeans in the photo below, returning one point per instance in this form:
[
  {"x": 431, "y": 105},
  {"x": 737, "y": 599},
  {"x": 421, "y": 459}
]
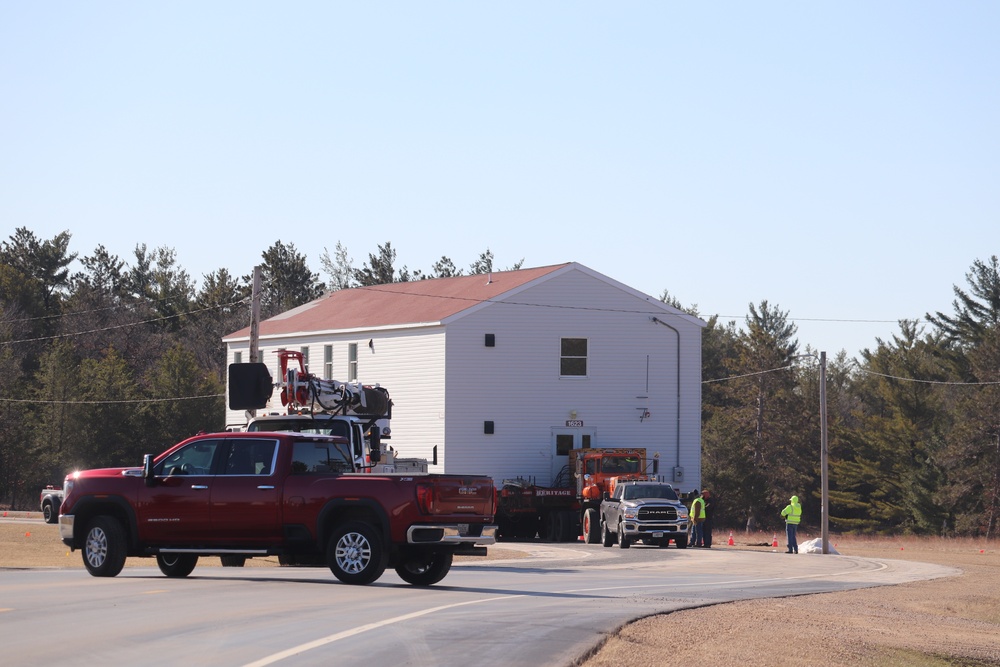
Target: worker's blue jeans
[
  {"x": 790, "y": 531},
  {"x": 697, "y": 536}
]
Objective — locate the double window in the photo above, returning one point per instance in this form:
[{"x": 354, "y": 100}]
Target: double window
[{"x": 573, "y": 357}]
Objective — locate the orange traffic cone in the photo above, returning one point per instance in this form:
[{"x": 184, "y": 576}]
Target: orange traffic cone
[
  {"x": 774, "y": 542},
  {"x": 731, "y": 543}
]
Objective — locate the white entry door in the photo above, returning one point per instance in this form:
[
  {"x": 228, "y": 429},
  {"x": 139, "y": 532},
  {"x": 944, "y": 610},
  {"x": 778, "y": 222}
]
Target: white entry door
[{"x": 563, "y": 440}]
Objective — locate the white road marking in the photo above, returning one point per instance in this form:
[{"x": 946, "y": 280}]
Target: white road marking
[{"x": 308, "y": 646}]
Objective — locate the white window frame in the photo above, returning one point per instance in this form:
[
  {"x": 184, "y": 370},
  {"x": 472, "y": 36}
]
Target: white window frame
[
  {"x": 352, "y": 362},
  {"x": 328, "y": 362}
]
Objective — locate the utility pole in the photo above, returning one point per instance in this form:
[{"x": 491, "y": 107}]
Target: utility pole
[
  {"x": 254, "y": 324},
  {"x": 824, "y": 455}
]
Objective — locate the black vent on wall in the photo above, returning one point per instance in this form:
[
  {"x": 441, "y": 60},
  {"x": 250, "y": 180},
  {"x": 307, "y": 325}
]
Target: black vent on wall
[
  {"x": 491, "y": 340},
  {"x": 488, "y": 428}
]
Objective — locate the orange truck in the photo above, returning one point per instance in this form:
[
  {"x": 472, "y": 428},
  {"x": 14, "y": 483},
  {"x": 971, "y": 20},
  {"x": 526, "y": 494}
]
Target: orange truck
[{"x": 571, "y": 506}]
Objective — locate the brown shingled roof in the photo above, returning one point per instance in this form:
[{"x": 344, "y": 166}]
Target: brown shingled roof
[{"x": 421, "y": 301}]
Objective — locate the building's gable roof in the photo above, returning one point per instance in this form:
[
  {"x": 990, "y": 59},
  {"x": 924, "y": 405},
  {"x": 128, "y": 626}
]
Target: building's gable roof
[{"x": 397, "y": 304}]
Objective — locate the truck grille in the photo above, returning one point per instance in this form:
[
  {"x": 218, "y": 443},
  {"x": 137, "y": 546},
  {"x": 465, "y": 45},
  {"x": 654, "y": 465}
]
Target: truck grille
[{"x": 657, "y": 514}]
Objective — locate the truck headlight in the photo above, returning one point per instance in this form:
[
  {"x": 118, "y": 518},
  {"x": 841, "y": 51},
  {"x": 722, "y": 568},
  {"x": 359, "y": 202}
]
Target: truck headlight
[{"x": 630, "y": 512}]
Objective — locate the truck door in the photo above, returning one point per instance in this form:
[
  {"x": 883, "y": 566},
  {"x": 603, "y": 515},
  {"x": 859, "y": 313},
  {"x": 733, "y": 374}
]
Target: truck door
[
  {"x": 563, "y": 440},
  {"x": 246, "y": 494},
  {"x": 176, "y": 507}
]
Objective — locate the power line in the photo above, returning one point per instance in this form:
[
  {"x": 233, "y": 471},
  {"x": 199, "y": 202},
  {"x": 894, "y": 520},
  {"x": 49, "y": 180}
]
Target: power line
[
  {"x": 131, "y": 401},
  {"x": 121, "y": 326}
]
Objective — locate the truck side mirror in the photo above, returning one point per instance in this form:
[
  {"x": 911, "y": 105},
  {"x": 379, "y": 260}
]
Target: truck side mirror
[{"x": 147, "y": 470}]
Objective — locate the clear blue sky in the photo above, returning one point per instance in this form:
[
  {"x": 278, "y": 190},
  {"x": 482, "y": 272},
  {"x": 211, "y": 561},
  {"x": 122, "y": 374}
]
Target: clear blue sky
[{"x": 839, "y": 160}]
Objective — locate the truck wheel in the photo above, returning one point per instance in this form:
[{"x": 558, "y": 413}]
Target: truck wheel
[
  {"x": 176, "y": 565},
  {"x": 623, "y": 542},
  {"x": 591, "y": 526},
  {"x": 355, "y": 553},
  {"x": 682, "y": 542},
  {"x": 425, "y": 569},
  {"x": 233, "y": 561},
  {"x": 607, "y": 539},
  {"x": 50, "y": 513},
  {"x": 104, "y": 548}
]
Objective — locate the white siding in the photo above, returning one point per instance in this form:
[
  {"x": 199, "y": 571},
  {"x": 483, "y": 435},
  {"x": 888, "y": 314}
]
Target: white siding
[
  {"x": 445, "y": 383},
  {"x": 517, "y": 385},
  {"x": 409, "y": 364}
]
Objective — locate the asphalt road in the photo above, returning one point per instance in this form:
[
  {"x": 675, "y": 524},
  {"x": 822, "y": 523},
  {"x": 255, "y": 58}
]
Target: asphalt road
[{"x": 549, "y": 609}]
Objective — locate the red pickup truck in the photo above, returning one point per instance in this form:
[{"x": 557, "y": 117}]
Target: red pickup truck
[{"x": 240, "y": 495}]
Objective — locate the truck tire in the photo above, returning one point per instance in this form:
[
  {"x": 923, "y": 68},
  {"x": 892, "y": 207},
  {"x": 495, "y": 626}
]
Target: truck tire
[
  {"x": 50, "y": 512},
  {"x": 591, "y": 526},
  {"x": 424, "y": 569},
  {"x": 355, "y": 553},
  {"x": 176, "y": 565},
  {"x": 607, "y": 539},
  {"x": 104, "y": 547},
  {"x": 233, "y": 561},
  {"x": 682, "y": 542},
  {"x": 623, "y": 542}
]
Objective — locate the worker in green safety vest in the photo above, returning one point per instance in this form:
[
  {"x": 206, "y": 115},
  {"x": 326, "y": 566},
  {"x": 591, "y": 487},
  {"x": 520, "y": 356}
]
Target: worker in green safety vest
[{"x": 793, "y": 515}]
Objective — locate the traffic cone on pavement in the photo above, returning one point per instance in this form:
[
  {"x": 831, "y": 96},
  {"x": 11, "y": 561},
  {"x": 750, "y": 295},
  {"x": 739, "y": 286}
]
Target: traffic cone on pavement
[
  {"x": 731, "y": 543},
  {"x": 774, "y": 542}
]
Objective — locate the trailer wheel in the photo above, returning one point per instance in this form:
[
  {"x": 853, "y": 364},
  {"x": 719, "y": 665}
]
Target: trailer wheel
[
  {"x": 176, "y": 566},
  {"x": 623, "y": 542},
  {"x": 355, "y": 553},
  {"x": 104, "y": 547},
  {"x": 606, "y": 538},
  {"x": 591, "y": 526},
  {"x": 425, "y": 569}
]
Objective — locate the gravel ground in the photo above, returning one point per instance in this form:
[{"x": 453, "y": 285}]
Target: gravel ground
[{"x": 950, "y": 621}]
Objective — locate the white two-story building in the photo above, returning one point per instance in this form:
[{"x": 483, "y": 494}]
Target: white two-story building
[{"x": 505, "y": 373}]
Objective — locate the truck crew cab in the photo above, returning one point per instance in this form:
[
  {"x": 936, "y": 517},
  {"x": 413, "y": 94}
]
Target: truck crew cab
[{"x": 294, "y": 495}]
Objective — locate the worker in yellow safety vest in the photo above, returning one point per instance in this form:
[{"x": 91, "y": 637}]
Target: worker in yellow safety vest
[
  {"x": 697, "y": 519},
  {"x": 793, "y": 515}
]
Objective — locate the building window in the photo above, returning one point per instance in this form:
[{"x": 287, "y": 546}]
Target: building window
[
  {"x": 328, "y": 362},
  {"x": 305, "y": 357},
  {"x": 237, "y": 357},
  {"x": 573, "y": 357},
  {"x": 352, "y": 362},
  {"x": 564, "y": 443}
]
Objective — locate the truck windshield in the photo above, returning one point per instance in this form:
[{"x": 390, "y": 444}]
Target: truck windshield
[
  {"x": 649, "y": 491},
  {"x": 620, "y": 465}
]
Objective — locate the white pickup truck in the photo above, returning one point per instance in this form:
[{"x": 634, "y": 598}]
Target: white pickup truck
[
  {"x": 49, "y": 501},
  {"x": 644, "y": 510}
]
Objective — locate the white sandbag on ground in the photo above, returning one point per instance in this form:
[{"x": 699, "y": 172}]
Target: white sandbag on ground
[{"x": 815, "y": 546}]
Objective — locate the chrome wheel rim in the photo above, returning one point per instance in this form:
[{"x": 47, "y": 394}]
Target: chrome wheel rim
[
  {"x": 97, "y": 547},
  {"x": 353, "y": 553}
]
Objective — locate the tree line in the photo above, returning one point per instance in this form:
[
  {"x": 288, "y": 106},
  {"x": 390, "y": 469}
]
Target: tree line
[{"x": 122, "y": 358}]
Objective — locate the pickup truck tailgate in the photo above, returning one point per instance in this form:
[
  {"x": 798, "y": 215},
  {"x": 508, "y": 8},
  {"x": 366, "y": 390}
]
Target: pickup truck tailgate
[{"x": 455, "y": 494}]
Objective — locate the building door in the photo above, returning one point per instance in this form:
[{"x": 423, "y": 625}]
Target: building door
[{"x": 563, "y": 440}]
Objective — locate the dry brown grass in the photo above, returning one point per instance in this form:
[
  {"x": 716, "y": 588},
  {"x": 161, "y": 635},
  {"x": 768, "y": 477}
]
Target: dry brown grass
[{"x": 950, "y": 621}]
